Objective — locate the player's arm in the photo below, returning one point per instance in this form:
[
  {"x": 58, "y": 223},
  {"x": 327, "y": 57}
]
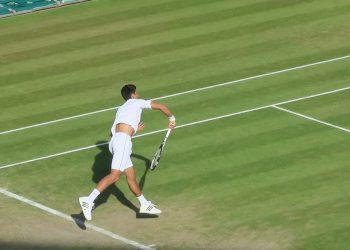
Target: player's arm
[{"x": 166, "y": 111}]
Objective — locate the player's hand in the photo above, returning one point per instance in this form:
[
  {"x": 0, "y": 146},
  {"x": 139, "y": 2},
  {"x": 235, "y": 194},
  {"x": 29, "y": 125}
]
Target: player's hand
[
  {"x": 171, "y": 125},
  {"x": 141, "y": 126},
  {"x": 172, "y": 122}
]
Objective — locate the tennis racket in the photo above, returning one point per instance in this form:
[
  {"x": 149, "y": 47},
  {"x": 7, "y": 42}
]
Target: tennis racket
[{"x": 157, "y": 155}]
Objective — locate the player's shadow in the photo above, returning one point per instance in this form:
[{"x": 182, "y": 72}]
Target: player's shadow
[{"x": 100, "y": 169}]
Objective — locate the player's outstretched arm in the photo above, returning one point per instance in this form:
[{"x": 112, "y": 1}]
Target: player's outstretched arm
[{"x": 166, "y": 111}]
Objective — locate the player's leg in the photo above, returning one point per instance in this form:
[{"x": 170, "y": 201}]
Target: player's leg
[
  {"x": 87, "y": 202},
  {"x": 108, "y": 180},
  {"x": 131, "y": 179},
  {"x": 145, "y": 205},
  {"x": 116, "y": 147}
]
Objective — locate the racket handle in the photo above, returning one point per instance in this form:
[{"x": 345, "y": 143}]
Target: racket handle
[{"x": 168, "y": 133}]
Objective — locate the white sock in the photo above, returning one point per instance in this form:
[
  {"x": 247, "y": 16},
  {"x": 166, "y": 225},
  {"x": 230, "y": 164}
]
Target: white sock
[
  {"x": 142, "y": 200},
  {"x": 93, "y": 195}
]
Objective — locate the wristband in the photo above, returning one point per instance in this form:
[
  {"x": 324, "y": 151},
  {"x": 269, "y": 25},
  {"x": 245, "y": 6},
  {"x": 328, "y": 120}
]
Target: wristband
[{"x": 171, "y": 118}]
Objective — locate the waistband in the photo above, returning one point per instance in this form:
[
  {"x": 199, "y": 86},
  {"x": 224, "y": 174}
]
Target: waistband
[{"x": 117, "y": 134}]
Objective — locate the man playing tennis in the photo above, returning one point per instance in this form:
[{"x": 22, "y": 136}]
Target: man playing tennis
[{"x": 126, "y": 123}]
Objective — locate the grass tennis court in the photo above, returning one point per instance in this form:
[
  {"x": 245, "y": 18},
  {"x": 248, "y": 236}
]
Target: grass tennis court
[{"x": 262, "y": 179}]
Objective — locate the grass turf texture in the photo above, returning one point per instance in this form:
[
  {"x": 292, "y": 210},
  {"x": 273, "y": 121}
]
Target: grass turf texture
[
  {"x": 46, "y": 232},
  {"x": 264, "y": 179}
]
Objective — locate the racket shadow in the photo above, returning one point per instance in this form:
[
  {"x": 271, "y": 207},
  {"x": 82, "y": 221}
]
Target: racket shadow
[{"x": 147, "y": 168}]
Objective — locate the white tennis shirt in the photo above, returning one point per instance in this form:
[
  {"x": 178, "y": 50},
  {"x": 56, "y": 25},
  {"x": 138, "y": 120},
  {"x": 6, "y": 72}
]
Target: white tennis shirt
[{"x": 130, "y": 113}]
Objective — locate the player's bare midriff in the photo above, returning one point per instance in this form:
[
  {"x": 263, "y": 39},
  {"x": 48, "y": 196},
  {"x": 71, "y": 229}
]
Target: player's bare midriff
[{"x": 124, "y": 128}]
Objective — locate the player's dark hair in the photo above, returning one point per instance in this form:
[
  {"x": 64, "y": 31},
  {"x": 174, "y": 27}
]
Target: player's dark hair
[{"x": 127, "y": 90}]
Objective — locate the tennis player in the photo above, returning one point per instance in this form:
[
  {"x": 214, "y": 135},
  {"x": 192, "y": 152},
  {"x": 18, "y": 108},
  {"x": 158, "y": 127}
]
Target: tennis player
[{"x": 127, "y": 122}]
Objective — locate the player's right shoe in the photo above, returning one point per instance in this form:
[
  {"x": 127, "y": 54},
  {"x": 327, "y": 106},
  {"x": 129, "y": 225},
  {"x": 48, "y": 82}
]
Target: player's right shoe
[
  {"x": 149, "y": 209},
  {"x": 86, "y": 207}
]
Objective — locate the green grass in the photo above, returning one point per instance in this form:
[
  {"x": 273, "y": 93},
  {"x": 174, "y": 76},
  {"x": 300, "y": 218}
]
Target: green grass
[{"x": 265, "y": 179}]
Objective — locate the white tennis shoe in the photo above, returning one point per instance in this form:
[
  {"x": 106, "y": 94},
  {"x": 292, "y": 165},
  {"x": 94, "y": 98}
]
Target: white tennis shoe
[
  {"x": 149, "y": 209},
  {"x": 86, "y": 207}
]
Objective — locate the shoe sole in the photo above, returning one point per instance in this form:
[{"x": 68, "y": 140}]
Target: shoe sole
[{"x": 141, "y": 212}]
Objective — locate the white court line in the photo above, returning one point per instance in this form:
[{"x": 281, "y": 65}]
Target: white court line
[
  {"x": 312, "y": 119},
  {"x": 182, "y": 93},
  {"x": 68, "y": 218},
  {"x": 182, "y": 126}
]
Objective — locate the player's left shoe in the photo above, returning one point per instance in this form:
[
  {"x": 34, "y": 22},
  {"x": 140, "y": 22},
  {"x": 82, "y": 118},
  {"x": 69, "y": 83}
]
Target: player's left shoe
[
  {"x": 149, "y": 209},
  {"x": 86, "y": 207}
]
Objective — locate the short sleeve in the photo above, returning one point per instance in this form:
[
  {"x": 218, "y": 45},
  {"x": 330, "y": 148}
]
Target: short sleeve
[{"x": 145, "y": 104}]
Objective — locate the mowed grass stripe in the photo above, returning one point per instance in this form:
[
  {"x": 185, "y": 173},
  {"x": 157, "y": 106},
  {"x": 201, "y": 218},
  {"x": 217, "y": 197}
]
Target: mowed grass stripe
[
  {"x": 49, "y": 138},
  {"x": 84, "y": 24},
  {"x": 218, "y": 56},
  {"x": 284, "y": 196},
  {"x": 198, "y": 106},
  {"x": 171, "y": 35},
  {"x": 243, "y": 153},
  {"x": 131, "y": 73},
  {"x": 137, "y": 144},
  {"x": 214, "y": 57},
  {"x": 80, "y": 44},
  {"x": 68, "y": 42},
  {"x": 64, "y": 16},
  {"x": 118, "y": 61},
  {"x": 119, "y": 33},
  {"x": 62, "y": 179},
  {"x": 328, "y": 109},
  {"x": 237, "y": 186},
  {"x": 213, "y": 21},
  {"x": 222, "y": 34},
  {"x": 66, "y": 152},
  {"x": 234, "y": 183},
  {"x": 53, "y": 141},
  {"x": 291, "y": 202},
  {"x": 314, "y": 189},
  {"x": 56, "y": 102},
  {"x": 117, "y": 29},
  {"x": 226, "y": 138}
]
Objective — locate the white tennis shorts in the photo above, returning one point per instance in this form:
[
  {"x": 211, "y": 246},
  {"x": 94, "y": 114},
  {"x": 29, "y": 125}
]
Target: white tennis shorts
[{"x": 121, "y": 147}]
